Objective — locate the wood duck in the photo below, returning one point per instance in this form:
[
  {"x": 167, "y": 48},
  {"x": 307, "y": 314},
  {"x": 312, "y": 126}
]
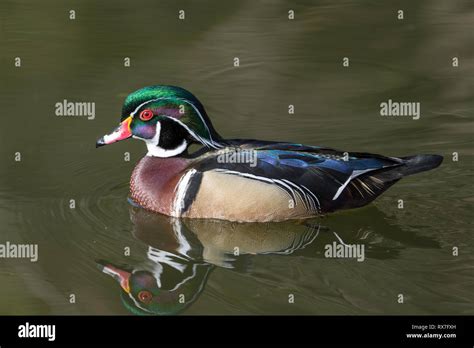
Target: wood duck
[{"x": 239, "y": 179}]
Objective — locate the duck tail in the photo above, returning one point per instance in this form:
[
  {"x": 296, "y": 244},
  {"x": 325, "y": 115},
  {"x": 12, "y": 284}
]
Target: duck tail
[
  {"x": 419, "y": 163},
  {"x": 367, "y": 187},
  {"x": 409, "y": 165}
]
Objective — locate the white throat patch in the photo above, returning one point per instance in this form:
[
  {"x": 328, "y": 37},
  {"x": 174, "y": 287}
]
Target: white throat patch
[{"x": 154, "y": 150}]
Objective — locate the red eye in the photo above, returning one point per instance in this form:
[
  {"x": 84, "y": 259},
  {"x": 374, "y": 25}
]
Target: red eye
[
  {"x": 146, "y": 115},
  {"x": 145, "y": 296}
]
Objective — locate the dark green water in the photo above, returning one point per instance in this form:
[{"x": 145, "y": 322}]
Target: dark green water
[{"x": 409, "y": 251}]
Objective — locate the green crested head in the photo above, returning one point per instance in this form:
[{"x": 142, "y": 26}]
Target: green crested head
[{"x": 167, "y": 118}]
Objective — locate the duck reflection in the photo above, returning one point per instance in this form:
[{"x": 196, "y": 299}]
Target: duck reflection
[
  {"x": 181, "y": 253},
  {"x": 169, "y": 287}
]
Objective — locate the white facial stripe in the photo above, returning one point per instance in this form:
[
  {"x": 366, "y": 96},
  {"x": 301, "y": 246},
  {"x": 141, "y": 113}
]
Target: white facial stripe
[
  {"x": 200, "y": 116},
  {"x": 184, "y": 100},
  {"x": 210, "y": 143},
  {"x": 197, "y": 137}
]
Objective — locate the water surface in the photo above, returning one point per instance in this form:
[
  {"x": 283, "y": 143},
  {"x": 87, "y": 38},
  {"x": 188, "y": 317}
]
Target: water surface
[{"x": 408, "y": 251}]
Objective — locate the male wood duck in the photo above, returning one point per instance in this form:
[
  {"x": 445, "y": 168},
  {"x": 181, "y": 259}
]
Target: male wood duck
[{"x": 239, "y": 179}]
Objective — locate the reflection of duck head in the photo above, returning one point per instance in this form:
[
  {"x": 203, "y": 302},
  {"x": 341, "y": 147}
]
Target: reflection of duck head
[{"x": 151, "y": 292}]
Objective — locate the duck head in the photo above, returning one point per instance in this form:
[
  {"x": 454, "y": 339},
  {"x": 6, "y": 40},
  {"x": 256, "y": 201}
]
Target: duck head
[{"x": 167, "y": 118}]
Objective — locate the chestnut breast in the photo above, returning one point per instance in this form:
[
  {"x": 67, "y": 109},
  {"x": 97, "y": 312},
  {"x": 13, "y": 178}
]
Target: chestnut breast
[{"x": 153, "y": 182}]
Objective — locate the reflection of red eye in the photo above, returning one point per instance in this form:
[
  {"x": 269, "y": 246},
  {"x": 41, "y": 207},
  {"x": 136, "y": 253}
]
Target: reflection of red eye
[
  {"x": 145, "y": 115},
  {"x": 145, "y": 296}
]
